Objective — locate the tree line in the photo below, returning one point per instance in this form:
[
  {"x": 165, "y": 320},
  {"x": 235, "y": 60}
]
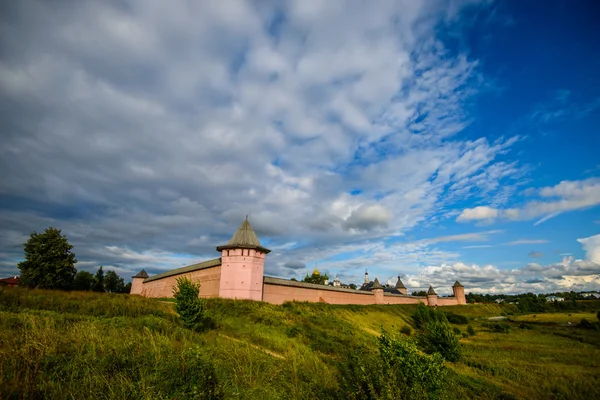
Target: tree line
[{"x": 50, "y": 264}]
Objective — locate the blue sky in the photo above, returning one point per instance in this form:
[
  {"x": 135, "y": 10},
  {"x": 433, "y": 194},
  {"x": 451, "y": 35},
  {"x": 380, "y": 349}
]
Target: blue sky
[{"x": 436, "y": 140}]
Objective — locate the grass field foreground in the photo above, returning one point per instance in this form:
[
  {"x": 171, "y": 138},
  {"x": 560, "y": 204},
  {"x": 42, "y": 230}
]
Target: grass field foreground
[{"x": 107, "y": 346}]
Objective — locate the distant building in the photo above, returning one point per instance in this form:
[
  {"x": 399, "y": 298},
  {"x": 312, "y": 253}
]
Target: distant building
[
  {"x": 13, "y": 281},
  {"x": 336, "y": 282},
  {"x": 591, "y": 295},
  {"x": 554, "y": 298},
  {"x": 499, "y": 301}
]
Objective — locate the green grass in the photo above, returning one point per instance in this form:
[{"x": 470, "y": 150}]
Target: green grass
[{"x": 107, "y": 346}]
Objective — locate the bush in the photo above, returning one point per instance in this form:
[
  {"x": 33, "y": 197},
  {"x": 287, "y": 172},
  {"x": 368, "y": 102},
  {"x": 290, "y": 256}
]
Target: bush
[
  {"x": 398, "y": 371},
  {"x": 406, "y": 330},
  {"x": 456, "y": 319},
  {"x": 424, "y": 314},
  {"x": 470, "y": 330},
  {"x": 524, "y": 326},
  {"x": 189, "y": 306},
  {"x": 497, "y": 327},
  {"x": 598, "y": 315},
  {"x": 584, "y": 323},
  {"x": 439, "y": 337}
]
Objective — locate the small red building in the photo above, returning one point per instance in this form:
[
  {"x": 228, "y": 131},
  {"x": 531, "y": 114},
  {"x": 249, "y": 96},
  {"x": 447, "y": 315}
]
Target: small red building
[{"x": 13, "y": 281}]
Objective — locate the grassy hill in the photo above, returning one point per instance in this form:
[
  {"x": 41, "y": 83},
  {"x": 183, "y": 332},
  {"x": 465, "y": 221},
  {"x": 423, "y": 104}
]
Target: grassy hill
[{"x": 108, "y": 346}]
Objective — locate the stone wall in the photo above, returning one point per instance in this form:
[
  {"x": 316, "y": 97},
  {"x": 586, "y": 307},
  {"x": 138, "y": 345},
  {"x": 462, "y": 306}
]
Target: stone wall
[
  {"x": 209, "y": 279},
  {"x": 277, "y": 291},
  {"x": 447, "y": 301}
]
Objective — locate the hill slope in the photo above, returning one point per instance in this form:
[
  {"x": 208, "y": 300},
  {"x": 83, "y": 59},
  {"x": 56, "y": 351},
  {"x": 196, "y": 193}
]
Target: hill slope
[{"x": 104, "y": 346}]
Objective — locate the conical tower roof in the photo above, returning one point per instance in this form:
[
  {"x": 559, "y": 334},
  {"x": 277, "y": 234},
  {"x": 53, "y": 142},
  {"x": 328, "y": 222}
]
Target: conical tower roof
[
  {"x": 457, "y": 284},
  {"x": 399, "y": 284},
  {"x": 244, "y": 238},
  {"x": 141, "y": 274},
  {"x": 376, "y": 285},
  {"x": 431, "y": 291}
]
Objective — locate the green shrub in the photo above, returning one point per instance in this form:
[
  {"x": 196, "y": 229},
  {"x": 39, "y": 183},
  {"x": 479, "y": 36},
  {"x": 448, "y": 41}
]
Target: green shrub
[
  {"x": 497, "y": 327},
  {"x": 470, "y": 330},
  {"x": 189, "y": 306},
  {"x": 584, "y": 323},
  {"x": 598, "y": 315},
  {"x": 456, "y": 330},
  {"x": 406, "y": 330},
  {"x": 424, "y": 314},
  {"x": 399, "y": 371},
  {"x": 439, "y": 337},
  {"x": 456, "y": 319},
  {"x": 524, "y": 326}
]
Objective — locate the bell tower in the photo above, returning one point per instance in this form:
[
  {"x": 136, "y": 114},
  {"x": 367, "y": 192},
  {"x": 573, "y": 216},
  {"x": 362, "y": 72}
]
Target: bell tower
[{"x": 242, "y": 265}]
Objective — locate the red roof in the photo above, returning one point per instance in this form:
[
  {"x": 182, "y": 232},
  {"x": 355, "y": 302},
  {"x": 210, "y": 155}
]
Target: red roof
[{"x": 13, "y": 280}]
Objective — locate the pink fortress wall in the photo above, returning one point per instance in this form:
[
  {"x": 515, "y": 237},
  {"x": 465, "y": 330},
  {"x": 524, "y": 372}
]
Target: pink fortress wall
[
  {"x": 278, "y": 294},
  {"x": 209, "y": 279},
  {"x": 278, "y": 291}
]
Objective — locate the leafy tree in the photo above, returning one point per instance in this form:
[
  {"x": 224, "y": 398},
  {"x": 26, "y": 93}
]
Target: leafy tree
[
  {"x": 420, "y": 293},
  {"x": 294, "y": 280},
  {"x": 84, "y": 281},
  {"x": 127, "y": 288},
  {"x": 188, "y": 305},
  {"x": 316, "y": 278},
  {"x": 49, "y": 261},
  {"x": 99, "y": 281},
  {"x": 113, "y": 283},
  {"x": 352, "y": 286}
]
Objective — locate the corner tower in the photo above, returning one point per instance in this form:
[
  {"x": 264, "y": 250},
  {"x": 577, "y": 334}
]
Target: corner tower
[
  {"x": 242, "y": 265},
  {"x": 137, "y": 283},
  {"x": 432, "y": 298},
  {"x": 377, "y": 290},
  {"x": 459, "y": 293}
]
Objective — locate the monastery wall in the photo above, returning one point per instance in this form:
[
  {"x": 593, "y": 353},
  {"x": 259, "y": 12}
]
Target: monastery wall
[
  {"x": 447, "y": 301},
  {"x": 390, "y": 298},
  {"x": 278, "y": 291},
  {"x": 208, "y": 278}
]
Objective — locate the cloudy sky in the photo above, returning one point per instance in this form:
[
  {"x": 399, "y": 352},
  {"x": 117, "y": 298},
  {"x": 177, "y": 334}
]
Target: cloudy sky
[{"x": 435, "y": 139}]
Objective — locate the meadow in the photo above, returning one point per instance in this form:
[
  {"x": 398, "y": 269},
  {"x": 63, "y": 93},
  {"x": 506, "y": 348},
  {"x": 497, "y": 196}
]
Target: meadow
[{"x": 81, "y": 345}]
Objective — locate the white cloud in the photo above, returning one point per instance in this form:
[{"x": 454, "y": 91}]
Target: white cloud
[
  {"x": 563, "y": 197},
  {"x": 568, "y": 274},
  {"x": 156, "y": 127},
  {"x": 591, "y": 246},
  {"x": 526, "y": 241},
  {"x": 463, "y": 237},
  {"x": 478, "y": 213},
  {"x": 368, "y": 217}
]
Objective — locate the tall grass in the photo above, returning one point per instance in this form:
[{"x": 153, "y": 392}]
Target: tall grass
[{"x": 106, "y": 346}]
